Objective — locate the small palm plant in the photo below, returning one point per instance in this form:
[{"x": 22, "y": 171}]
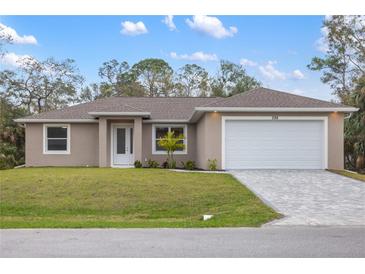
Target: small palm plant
[{"x": 171, "y": 143}]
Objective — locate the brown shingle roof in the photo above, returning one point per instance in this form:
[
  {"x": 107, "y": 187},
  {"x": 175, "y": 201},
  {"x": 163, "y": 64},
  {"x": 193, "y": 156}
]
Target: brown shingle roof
[
  {"x": 177, "y": 108},
  {"x": 181, "y": 108},
  {"x": 263, "y": 97}
]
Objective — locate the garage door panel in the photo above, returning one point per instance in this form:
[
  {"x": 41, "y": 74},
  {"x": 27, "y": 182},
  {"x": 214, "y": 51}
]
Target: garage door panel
[{"x": 274, "y": 144}]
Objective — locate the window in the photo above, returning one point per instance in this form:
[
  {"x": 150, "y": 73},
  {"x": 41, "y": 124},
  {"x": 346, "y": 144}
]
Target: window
[
  {"x": 159, "y": 132},
  {"x": 56, "y": 139}
]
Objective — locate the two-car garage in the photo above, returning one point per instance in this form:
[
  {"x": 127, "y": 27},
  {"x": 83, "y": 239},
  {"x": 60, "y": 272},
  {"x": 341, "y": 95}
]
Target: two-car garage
[{"x": 272, "y": 142}]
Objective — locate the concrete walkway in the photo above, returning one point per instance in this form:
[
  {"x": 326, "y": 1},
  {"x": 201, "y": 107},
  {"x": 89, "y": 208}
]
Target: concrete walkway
[
  {"x": 270, "y": 241},
  {"x": 308, "y": 197}
]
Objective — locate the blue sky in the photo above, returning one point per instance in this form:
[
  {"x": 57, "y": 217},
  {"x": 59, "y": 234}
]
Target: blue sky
[{"x": 274, "y": 49}]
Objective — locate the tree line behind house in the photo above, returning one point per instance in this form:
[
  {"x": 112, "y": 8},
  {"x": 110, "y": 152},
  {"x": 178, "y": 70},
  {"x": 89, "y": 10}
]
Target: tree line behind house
[
  {"x": 35, "y": 86},
  {"x": 40, "y": 86}
]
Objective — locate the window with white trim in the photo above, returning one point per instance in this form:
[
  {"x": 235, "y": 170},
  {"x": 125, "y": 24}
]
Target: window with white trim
[
  {"x": 160, "y": 131},
  {"x": 56, "y": 139}
]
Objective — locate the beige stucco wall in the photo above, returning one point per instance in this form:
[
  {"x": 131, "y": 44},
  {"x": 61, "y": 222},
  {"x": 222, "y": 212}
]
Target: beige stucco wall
[
  {"x": 147, "y": 146},
  {"x": 209, "y": 137},
  {"x": 84, "y": 147},
  {"x": 204, "y": 142},
  {"x": 336, "y": 141}
]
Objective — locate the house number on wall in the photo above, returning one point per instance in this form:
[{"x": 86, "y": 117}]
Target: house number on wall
[{"x": 275, "y": 117}]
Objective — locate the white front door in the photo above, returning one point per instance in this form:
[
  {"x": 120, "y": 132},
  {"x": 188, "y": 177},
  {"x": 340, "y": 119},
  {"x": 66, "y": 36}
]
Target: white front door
[{"x": 122, "y": 145}]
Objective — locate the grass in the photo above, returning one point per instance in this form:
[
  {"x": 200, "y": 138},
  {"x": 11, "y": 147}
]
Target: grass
[
  {"x": 105, "y": 197},
  {"x": 352, "y": 175}
]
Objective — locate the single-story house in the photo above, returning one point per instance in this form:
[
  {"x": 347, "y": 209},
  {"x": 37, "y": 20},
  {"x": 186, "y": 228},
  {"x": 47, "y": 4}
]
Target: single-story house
[{"x": 258, "y": 129}]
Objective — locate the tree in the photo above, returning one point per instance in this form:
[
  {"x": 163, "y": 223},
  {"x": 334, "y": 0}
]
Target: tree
[
  {"x": 343, "y": 68},
  {"x": 344, "y": 60},
  {"x": 5, "y": 38},
  {"x": 355, "y": 126},
  {"x": 90, "y": 93},
  {"x": 155, "y": 76},
  {"x": 41, "y": 85},
  {"x": 192, "y": 81},
  {"x": 109, "y": 72},
  {"x": 11, "y": 135},
  {"x": 118, "y": 80},
  {"x": 232, "y": 79},
  {"x": 171, "y": 143}
]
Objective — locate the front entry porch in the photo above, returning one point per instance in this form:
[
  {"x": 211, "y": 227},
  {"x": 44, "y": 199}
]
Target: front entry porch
[
  {"x": 120, "y": 141},
  {"x": 121, "y": 145}
]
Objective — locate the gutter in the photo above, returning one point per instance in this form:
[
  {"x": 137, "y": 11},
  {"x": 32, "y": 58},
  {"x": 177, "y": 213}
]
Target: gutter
[
  {"x": 198, "y": 111},
  {"x": 29, "y": 120},
  {"x": 275, "y": 109},
  {"x": 98, "y": 114},
  {"x": 166, "y": 121}
]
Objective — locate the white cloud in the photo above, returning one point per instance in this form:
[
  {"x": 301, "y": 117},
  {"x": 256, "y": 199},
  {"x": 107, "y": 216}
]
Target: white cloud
[
  {"x": 15, "y": 37},
  {"x": 14, "y": 60},
  {"x": 133, "y": 29},
  {"x": 247, "y": 63},
  {"x": 211, "y": 26},
  {"x": 196, "y": 56},
  {"x": 297, "y": 74},
  {"x": 169, "y": 22},
  {"x": 322, "y": 44},
  {"x": 269, "y": 71}
]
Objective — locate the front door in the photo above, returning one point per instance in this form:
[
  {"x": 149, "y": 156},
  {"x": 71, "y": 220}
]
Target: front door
[{"x": 122, "y": 145}]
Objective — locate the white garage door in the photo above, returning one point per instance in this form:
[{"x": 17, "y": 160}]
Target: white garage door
[{"x": 274, "y": 144}]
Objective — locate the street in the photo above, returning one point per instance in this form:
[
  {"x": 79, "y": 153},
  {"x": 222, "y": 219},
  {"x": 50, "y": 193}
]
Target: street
[{"x": 268, "y": 241}]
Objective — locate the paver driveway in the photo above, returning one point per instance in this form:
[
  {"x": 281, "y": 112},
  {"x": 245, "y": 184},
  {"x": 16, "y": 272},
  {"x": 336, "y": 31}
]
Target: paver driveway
[{"x": 308, "y": 197}]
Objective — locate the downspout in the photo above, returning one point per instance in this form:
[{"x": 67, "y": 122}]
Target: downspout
[{"x": 348, "y": 116}]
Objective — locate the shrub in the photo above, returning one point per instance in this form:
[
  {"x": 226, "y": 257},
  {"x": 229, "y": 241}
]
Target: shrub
[
  {"x": 165, "y": 164},
  {"x": 169, "y": 164},
  {"x": 8, "y": 154},
  {"x": 152, "y": 163},
  {"x": 189, "y": 165},
  {"x": 7, "y": 161},
  {"x": 137, "y": 164},
  {"x": 172, "y": 164},
  {"x": 212, "y": 164}
]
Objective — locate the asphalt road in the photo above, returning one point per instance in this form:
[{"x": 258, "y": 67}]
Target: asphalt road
[{"x": 268, "y": 241}]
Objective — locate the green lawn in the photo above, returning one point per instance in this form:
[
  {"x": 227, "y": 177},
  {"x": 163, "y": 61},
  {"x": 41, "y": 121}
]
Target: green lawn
[
  {"x": 105, "y": 197},
  {"x": 352, "y": 175}
]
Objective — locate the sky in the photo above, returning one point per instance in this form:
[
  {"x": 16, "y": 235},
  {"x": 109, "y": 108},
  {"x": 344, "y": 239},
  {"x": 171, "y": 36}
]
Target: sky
[{"x": 274, "y": 49}]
